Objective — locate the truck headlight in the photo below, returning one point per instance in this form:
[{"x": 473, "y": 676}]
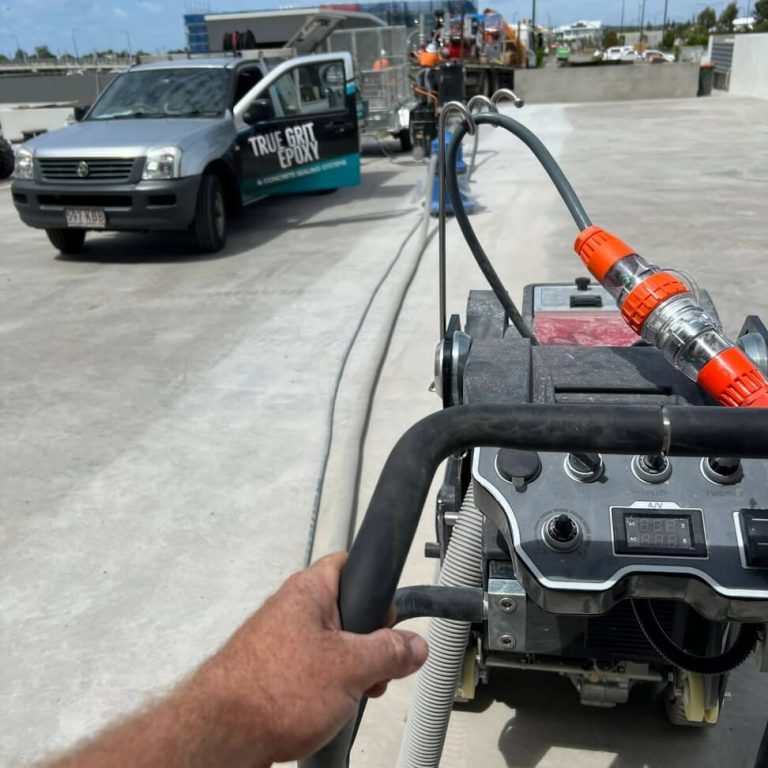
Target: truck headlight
[
  {"x": 23, "y": 168},
  {"x": 163, "y": 163}
]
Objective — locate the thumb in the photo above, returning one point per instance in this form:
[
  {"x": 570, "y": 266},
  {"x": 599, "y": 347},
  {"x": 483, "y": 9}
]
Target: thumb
[{"x": 387, "y": 654}]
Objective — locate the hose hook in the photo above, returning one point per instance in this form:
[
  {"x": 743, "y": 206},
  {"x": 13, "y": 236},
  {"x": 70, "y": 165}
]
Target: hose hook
[{"x": 458, "y": 108}]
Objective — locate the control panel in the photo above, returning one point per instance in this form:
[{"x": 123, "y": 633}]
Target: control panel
[{"x": 583, "y": 521}]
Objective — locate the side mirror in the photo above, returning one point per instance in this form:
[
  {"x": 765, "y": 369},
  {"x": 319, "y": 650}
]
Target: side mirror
[
  {"x": 258, "y": 111},
  {"x": 80, "y": 113}
]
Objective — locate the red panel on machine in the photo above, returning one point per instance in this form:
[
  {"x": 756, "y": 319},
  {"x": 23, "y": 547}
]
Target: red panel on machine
[{"x": 583, "y": 329}]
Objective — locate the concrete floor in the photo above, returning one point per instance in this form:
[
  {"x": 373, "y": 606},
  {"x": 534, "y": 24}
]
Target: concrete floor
[
  {"x": 686, "y": 183},
  {"x": 164, "y": 421},
  {"x": 165, "y": 418}
]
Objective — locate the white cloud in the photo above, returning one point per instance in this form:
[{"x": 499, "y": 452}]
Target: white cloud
[
  {"x": 120, "y": 13},
  {"x": 151, "y": 7}
]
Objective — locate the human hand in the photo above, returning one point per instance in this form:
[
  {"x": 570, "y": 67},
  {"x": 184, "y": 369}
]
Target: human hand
[{"x": 292, "y": 678}]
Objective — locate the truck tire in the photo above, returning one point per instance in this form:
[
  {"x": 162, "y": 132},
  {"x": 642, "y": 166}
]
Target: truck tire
[
  {"x": 406, "y": 143},
  {"x": 7, "y": 159},
  {"x": 210, "y": 224},
  {"x": 68, "y": 241}
]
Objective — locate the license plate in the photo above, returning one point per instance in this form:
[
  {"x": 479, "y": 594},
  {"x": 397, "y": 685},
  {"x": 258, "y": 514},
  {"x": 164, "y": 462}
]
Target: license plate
[{"x": 85, "y": 218}]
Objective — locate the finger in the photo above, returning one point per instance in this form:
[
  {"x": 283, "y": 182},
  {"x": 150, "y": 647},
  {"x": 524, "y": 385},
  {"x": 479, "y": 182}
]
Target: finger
[
  {"x": 386, "y": 654},
  {"x": 377, "y": 690},
  {"x": 329, "y": 564},
  {"x": 320, "y": 583}
]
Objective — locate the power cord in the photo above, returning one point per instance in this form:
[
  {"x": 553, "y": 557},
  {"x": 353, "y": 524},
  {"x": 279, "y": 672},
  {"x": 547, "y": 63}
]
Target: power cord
[{"x": 563, "y": 186}]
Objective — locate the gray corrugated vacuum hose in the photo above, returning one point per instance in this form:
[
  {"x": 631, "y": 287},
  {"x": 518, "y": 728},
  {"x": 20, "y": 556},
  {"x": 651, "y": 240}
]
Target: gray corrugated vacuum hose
[{"x": 436, "y": 683}]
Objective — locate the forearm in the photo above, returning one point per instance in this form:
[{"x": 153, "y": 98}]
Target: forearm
[{"x": 198, "y": 726}]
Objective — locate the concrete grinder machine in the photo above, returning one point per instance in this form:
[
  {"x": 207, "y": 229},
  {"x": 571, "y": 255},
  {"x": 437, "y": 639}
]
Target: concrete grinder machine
[{"x": 604, "y": 510}]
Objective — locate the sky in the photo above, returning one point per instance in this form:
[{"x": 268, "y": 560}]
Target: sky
[{"x": 156, "y": 26}]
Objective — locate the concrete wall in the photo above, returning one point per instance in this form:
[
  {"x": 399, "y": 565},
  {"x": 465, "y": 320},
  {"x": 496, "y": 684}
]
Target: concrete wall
[
  {"x": 652, "y": 38},
  {"x": 607, "y": 83},
  {"x": 82, "y": 89},
  {"x": 749, "y": 70}
]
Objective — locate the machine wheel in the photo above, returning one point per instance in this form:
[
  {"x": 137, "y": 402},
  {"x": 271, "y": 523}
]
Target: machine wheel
[
  {"x": 210, "y": 224},
  {"x": 689, "y": 709},
  {"x": 7, "y": 159},
  {"x": 406, "y": 144},
  {"x": 69, "y": 241}
]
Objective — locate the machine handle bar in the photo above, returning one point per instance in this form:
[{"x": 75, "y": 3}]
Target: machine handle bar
[{"x": 377, "y": 556}]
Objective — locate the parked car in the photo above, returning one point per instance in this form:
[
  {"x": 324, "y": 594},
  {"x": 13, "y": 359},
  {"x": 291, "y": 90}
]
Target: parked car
[
  {"x": 180, "y": 145},
  {"x": 620, "y": 53},
  {"x": 6, "y": 158},
  {"x": 653, "y": 56}
]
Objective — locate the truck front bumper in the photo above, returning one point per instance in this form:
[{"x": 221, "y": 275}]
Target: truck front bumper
[{"x": 149, "y": 205}]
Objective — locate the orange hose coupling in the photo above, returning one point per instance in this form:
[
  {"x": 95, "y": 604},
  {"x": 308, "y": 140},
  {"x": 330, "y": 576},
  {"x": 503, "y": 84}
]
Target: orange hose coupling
[
  {"x": 600, "y": 250},
  {"x": 649, "y": 295},
  {"x": 734, "y": 380}
]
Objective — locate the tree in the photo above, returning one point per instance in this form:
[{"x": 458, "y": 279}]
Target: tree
[
  {"x": 761, "y": 11},
  {"x": 706, "y": 19},
  {"x": 20, "y": 55},
  {"x": 43, "y": 52},
  {"x": 610, "y": 38},
  {"x": 728, "y": 16}
]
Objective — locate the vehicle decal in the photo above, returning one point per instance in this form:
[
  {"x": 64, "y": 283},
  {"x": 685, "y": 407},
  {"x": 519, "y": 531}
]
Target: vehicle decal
[
  {"x": 334, "y": 172},
  {"x": 292, "y": 145}
]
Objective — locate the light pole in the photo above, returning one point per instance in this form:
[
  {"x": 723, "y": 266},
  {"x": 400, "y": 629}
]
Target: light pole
[
  {"x": 664, "y": 23},
  {"x": 642, "y": 21},
  {"x": 19, "y": 48},
  {"x": 621, "y": 23},
  {"x": 74, "y": 43},
  {"x": 128, "y": 38}
]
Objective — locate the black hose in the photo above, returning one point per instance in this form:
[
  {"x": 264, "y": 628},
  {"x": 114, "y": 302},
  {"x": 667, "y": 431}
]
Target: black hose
[
  {"x": 543, "y": 155},
  {"x": 453, "y": 603},
  {"x": 452, "y": 187},
  {"x": 723, "y": 662},
  {"x": 569, "y": 196}
]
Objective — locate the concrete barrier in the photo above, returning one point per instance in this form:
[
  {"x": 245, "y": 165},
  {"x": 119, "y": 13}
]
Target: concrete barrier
[
  {"x": 626, "y": 82},
  {"x": 749, "y": 68},
  {"x": 82, "y": 89}
]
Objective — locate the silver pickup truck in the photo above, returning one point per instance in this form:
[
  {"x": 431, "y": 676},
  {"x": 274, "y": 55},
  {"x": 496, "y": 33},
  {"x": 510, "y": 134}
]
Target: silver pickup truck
[{"x": 182, "y": 145}]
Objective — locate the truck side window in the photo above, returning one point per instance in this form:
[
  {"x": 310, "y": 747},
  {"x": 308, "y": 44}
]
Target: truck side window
[
  {"x": 311, "y": 88},
  {"x": 246, "y": 79}
]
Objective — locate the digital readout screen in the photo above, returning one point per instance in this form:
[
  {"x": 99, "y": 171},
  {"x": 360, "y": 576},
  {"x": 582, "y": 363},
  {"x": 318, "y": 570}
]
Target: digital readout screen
[{"x": 658, "y": 532}]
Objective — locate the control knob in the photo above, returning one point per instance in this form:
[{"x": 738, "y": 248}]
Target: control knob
[
  {"x": 584, "y": 467},
  {"x": 723, "y": 470},
  {"x": 562, "y": 532}
]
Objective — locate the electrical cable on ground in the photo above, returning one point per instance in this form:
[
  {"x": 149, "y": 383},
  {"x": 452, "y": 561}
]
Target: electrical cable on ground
[{"x": 340, "y": 376}]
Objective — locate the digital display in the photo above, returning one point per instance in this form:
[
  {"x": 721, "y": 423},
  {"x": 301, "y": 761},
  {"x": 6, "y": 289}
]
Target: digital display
[{"x": 658, "y": 532}]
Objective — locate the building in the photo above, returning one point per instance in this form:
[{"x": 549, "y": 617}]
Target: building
[
  {"x": 207, "y": 32},
  {"x": 582, "y": 32},
  {"x": 743, "y": 24}
]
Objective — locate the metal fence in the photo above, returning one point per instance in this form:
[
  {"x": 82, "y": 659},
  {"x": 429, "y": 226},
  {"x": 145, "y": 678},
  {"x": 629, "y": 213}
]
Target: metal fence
[
  {"x": 722, "y": 58},
  {"x": 382, "y": 69}
]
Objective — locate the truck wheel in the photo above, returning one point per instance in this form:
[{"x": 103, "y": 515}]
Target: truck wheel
[
  {"x": 69, "y": 241},
  {"x": 406, "y": 145},
  {"x": 7, "y": 159},
  {"x": 210, "y": 224}
]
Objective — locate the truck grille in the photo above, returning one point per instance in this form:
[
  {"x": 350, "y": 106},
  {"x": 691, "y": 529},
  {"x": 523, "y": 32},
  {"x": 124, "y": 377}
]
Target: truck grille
[{"x": 87, "y": 169}]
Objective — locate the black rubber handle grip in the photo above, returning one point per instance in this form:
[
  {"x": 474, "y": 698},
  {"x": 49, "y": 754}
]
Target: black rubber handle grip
[{"x": 371, "y": 574}]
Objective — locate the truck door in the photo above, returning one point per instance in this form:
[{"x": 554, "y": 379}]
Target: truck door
[{"x": 297, "y": 128}]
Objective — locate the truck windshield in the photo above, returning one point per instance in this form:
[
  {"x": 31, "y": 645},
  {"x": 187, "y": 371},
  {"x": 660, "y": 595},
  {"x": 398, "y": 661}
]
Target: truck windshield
[{"x": 183, "y": 92}]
